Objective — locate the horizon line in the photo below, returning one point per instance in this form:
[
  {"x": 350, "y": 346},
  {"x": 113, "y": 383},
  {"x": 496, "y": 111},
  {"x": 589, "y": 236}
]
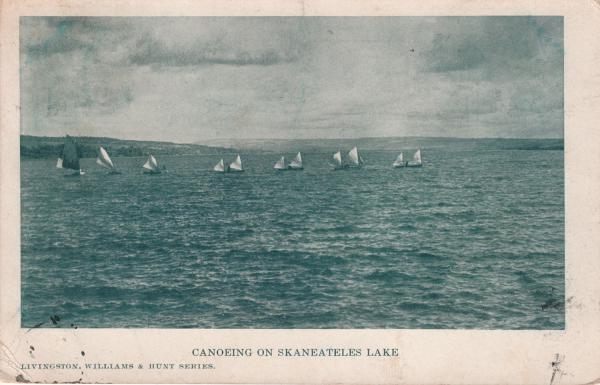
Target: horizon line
[
  {"x": 400, "y": 136},
  {"x": 291, "y": 139}
]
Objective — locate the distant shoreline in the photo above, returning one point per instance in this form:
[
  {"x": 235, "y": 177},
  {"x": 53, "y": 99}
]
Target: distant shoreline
[{"x": 43, "y": 147}]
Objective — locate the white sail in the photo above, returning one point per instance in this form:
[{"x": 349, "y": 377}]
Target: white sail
[
  {"x": 417, "y": 157},
  {"x": 59, "y": 163},
  {"x": 280, "y": 164},
  {"x": 220, "y": 167},
  {"x": 151, "y": 164},
  {"x": 337, "y": 157},
  {"x": 399, "y": 162},
  {"x": 353, "y": 157},
  {"x": 416, "y": 160},
  {"x": 297, "y": 162},
  {"x": 236, "y": 165},
  {"x": 104, "y": 160}
]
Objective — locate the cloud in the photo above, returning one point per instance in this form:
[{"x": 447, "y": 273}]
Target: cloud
[
  {"x": 187, "y": 78},
  {"x": 498, "y": 46},
  {"x": 46, "y": 36},
  {"x": 531, "y": 96},
  {"x": 451, "y": 55},
  {"x": 49, "y": 38},
  {"x": 161, "y": 42},
  {"x": 150, "y": 51}
]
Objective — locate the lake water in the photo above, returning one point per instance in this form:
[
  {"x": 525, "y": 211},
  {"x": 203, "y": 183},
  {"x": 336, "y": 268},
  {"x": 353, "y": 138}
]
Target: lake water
[{"x": 474, "y": 239}]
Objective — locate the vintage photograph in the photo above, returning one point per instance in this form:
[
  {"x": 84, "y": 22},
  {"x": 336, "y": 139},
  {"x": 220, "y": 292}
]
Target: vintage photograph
[{"x": 397, "y": 172}]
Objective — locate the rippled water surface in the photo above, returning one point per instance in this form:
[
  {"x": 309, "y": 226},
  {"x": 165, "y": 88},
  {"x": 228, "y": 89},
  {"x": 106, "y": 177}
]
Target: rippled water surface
[{"x": 474, "y": 239}]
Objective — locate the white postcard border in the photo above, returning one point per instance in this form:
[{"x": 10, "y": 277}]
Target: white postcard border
[{"x": 571, "y": 356}]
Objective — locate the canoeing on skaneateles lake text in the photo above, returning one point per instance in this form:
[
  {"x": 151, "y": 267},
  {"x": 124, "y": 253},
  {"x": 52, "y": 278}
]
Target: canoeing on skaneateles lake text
[{"x": 298, "y": 352}]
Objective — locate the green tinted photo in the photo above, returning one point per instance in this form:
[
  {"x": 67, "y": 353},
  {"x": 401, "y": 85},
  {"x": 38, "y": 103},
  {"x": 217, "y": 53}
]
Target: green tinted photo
[{"x": 292, "y": 172}]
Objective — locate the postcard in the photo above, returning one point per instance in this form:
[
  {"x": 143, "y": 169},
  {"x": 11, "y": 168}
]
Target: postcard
[{"x": 300, "y": 192}]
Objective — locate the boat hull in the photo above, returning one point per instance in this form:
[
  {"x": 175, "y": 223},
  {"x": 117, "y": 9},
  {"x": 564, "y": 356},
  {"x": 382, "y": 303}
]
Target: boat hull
[
  {"x": 289, "y": 168},
  {"x": 347, "y": 167},
  {"x": 228, "y": 170},
  {"x": 409, "y": 164},
  {"x": 75, "y": 174}
]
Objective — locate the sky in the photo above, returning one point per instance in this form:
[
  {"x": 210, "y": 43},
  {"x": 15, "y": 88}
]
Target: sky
[{"x": 197, "y": 79}]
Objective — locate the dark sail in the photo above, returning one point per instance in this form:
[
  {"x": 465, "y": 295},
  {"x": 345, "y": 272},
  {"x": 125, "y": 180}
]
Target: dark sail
[{"x": 70, "y": 154}]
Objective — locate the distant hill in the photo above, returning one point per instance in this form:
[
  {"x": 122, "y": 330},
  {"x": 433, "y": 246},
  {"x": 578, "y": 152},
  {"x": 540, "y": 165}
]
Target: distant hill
[
  {"x": 50, "y": 147},
  {"x": 387, "y": 144}
]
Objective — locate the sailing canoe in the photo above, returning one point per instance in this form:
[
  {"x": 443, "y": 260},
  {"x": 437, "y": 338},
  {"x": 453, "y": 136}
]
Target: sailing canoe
[
  {"x": 104, "y": 160},
  {"x": 70, "y": 157},
  {"x": 236, "y": 165},
  {"x": 399, "y": 162},
  {"x": 151, "y": 165},
  {"x": 280, "y": 164},
  {"x": 219, "y": 167},
  {"x": 416, "y": 160},
  {"x": 296, "y": 163}
]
